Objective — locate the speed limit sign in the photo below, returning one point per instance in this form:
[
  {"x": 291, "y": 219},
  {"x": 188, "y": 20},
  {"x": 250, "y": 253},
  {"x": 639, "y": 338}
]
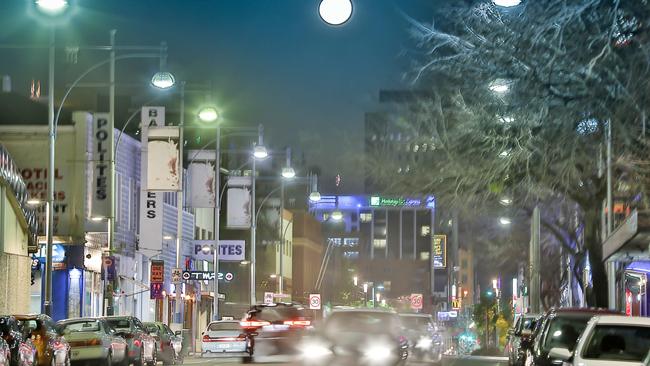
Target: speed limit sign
[
  {"x": 416, "y": 301},
  {"x": 314, "y": 301}
]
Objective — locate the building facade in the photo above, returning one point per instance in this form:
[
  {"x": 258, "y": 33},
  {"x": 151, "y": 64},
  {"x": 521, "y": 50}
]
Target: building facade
[{"x": 308, "y": 250}]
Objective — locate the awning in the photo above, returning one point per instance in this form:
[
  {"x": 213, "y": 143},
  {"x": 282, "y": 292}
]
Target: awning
[{"x": 631, "y": 240}]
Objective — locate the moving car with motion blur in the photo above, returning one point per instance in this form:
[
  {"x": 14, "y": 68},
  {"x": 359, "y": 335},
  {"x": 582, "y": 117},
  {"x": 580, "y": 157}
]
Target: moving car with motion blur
[
  {"x": 559, "y": 328},
  {"x": 168, "y": 344},
  {"x": 520, "y": 338},
  {"x": 612, "y": 340},
  {"x": 356, "y": 337},
  {"x": 275, "y": 329},
  {"x": 23, "y": 350},
  {"x": 51, "y": 347},
  {"x": 5, "y": 353},
  {"x": 226, "y": 338},
  {"x": 424, "y": 340},
  {"x": 141, "y": 347},
  {"x": 92, "y": 339}
]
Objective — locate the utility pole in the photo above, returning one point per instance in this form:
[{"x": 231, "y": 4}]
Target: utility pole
[{"x": 534, "y": 288}]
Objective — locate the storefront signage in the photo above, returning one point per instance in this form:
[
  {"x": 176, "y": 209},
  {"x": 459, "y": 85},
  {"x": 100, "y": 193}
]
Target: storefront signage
[
  {"x": 378, "y": 201},
  {"x": 101, "y": 157},
  {"x": 206, "y": 276},
  {"x": 229, "y": 250},
  {"x": 9, "y": 173},
  {"x": 109, "y": 268},
  {"x": 156, "y": 291},
  {"x": 157, "y": 271},
  {"x": 439, "y": 251}
]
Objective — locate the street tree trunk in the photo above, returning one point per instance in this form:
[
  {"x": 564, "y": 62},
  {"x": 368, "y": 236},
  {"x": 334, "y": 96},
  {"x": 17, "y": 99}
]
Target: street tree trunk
[{"x": 593, "y": 242}]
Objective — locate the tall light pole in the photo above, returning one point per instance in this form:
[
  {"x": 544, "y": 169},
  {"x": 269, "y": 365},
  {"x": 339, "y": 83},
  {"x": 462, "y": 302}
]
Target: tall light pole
[
  {"x": 259, "y": 152},
  {"x": 287, "y": 173},
  {"x": 179, "y": 198}
]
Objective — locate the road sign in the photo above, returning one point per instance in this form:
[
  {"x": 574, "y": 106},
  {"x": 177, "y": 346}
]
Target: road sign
[
  {"x": 416, "y": 301},
  {"x": 314, "y": 301},
  {"x": 177, "y": 275},
  {"x": 268, "y": 298},
  {"x": 155, "y": 291}
]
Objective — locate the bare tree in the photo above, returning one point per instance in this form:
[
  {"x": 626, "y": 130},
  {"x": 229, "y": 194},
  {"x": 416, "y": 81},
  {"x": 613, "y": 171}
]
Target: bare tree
[{"x": 521, "y": 100}]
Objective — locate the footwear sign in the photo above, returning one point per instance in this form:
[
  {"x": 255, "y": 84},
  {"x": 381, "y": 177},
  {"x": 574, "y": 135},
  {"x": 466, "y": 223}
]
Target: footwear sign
[
  {"x": 416, "y": 301},
  {"x": 314, "y": 301}
]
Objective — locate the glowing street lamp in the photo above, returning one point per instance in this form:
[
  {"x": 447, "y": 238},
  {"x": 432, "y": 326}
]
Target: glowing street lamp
[
  {"x": 208, "y": 114},
  {"x": 337, "y": 215},
  {"x": 335, "y": 12},
  {"x": 52, "y": 7},
  {"x": 505, "y": 201},
  {"x": 505, "y": 221},
  {"x": 163, "y": 80},
  {"x": 355, "y": 280},
  {"x": 260, "y": 152},
  {"x": 506, "y": 3}
]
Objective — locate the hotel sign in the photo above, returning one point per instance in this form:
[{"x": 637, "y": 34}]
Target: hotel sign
[{"x": 379, "y": 201}]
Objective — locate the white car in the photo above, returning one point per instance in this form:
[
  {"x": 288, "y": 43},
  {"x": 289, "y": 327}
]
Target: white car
[
  {"x": 612, "y": 340},
  {"x": 225, "y": 338}
]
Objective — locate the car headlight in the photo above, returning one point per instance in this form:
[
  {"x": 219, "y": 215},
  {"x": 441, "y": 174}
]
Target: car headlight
[
  {"x": 315, "y": 350},
  {"x": 424, "y": 343},
  {"x": 377, "y": 353}
]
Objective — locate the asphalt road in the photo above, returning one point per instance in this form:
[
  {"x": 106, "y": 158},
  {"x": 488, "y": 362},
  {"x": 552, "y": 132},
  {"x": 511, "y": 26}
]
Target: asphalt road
[{"x": 279, "y": 361}]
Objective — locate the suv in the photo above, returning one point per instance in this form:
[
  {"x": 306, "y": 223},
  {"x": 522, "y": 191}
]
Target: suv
[
  {"x": 520, "y": 337},
  {"x": 559, "y": 328},
  {"x": 275, "y": 329}
]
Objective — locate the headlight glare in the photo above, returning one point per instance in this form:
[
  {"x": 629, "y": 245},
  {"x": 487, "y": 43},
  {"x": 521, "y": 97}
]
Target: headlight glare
[
  {"x": 377, "y": 353},
  {"x": 315, "y": 350},
  {"x": 424, "y": 343}
]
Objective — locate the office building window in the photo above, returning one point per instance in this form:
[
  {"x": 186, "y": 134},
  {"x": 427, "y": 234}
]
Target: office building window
[
  {"x": 379, "y": 243},
  {"x": 424, "y": 256},
  {"x": 365, "y": 217},
  {"x": 425, "y": 230},
  {"x": 351, "y": 242}
]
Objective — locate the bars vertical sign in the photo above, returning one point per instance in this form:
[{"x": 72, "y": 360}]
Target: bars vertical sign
[
  {"x": 151, "y": 223},
  {"x": 101, "y": 155}
]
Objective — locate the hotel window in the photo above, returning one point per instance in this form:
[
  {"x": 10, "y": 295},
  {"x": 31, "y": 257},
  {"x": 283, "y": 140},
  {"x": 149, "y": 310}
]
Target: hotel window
[
  {"x": 424, "y": 256},
  {"x": 425, "y": 230},
  {"x": 379, "y": 243},
  {"x": 365, "y": 217}
]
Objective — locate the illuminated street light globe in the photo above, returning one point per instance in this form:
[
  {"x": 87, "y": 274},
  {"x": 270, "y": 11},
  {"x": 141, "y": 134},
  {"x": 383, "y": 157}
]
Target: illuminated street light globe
[
  {"x": 506, "y": 3},
  {"x": 337, "y": 215},
  {"x": 288, "y": 172},
  {"x": 163, "y": 80},
  {"x": 505, "y": 221},
  {"x": 208, "y": 114},
  {"x": 335, "y": 12},
  {"x": 314, "y": 196},
  {"x": 260, "y": 152},
  {"x": 52, "y": 7}
]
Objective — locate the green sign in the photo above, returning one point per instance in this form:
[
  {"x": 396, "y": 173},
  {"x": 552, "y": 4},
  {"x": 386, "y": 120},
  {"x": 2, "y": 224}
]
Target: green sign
[{"x": 378, "y": 201}]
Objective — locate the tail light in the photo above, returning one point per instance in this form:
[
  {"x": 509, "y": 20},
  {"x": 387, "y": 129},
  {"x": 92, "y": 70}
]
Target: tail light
[
  {"x": 206, "y": 338},
  {"x": 57, "y": 345},
  {"x": 298, "y": 323},
  {"x": 403, "y": 339},
  {"x": 137, "y": 342},
  {"x": 252, "y": 324},
  {"x": 94, "y": 342}
]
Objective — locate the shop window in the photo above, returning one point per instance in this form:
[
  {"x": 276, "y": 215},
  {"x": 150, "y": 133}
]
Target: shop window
[
  {"x": 379, "y": 243},
  {"x": 425, "y": 230},
  {"x": 365, "y": 217},
  {"x": 424, "y": 256}
]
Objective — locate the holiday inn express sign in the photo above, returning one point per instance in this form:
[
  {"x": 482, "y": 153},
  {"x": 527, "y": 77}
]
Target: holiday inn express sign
[{"x": 380, "y": 201}]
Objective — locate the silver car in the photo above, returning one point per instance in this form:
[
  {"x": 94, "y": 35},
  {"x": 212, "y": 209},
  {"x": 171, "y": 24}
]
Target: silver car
[{"x": 93, "y": 339}]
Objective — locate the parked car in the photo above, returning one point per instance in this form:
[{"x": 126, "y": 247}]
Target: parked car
[
  {"x": 168, "y": 344},
  {"x": 559, "y": 328},
  {"x": 92, "y": 339},
  {"x": 141, "y": 346},
  {"x": 226, "y": 338},
  {"x": 520, "y": 338},
  {"x": 275, "y": 329},
  {"x": 23, "y": 350},
  {"x": 356, "y": 337},
  {"x": 613, "y": 340},
  {"x": 51, "y": 347},
  {"x": 5, "y": 353},
  {"x": 425, "y": 341}
]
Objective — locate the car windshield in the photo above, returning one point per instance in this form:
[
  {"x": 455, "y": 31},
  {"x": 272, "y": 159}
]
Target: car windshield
[
  {"x": 81, "y": 326},
  {"x": 151, "y": 327},
  {"x": 563, "y": 331},
  {"x": 618, "y": 343},
  {"x": 361, "y": 322},
  {"x": 213, "y": 327},
  {"x": 416, "y": 322},
  {"x": 119, "y": 323}
]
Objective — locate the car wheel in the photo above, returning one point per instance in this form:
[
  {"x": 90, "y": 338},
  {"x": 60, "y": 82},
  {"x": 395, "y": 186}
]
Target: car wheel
[{"x": 109, "y": 359}]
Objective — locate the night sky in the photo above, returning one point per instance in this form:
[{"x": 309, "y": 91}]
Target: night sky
[{"x": 270, "y": 61}]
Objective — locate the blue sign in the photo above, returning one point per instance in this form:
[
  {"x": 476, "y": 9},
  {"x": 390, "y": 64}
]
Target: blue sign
[
  {"x": 58, "y": 253},
  {"x": 108, "y": 268}
]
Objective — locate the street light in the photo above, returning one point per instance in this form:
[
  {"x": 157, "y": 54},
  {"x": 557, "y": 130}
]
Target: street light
[
  {"x": 52, "y": 7},
  {"x": 335, "y": 12},
  {"x": 33, "y": 202},
  {"x": 505, "y": 221},
  {"x": 208, "y": 114},
  {"x": 337, "y": 215},
  {"x": 163, "y": 80},
  {"x": 506, "y": 3},
  {"x": 260, "y": 152},
  {"x": 506, "y": 201},
  {"x": 355, "y": 280}
]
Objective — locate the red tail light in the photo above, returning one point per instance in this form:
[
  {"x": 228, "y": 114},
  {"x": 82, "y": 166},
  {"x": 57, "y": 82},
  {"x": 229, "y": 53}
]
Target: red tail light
[
  {"x": 137, "y": 342},
  {"x": 403, "y": 339},
  {"x": 58, "y": 345},
  {"x": 298, "y": 323},
  {"x": 253, "y": 324},
  {"x": 206, "y": 338},
  {"x": 94, "y": 342}
]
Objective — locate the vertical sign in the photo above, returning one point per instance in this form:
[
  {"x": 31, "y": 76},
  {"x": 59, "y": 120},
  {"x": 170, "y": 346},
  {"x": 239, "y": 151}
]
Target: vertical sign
[
  {"x": 439, "y": 251},
  {"x": 416, "y": 301},
  {"x": 200, "y": 179},
  {"x": 108, "y": 268},
  {"x": 238, "y": 213},
  {"x": 157, "y": 271},
  {"x": 101, "y": 155},
  {"x": 155, "y": 291},
  {"x": 151, "y": 203}
]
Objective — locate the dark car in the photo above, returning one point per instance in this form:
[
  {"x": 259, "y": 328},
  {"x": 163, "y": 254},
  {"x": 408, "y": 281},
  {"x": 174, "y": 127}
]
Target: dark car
[
  {"x": 425, "y": 341},
  {"x": 168, "y": 344},
  {"x": 5, "y": 353},
  {"x": 520, "y": 337},
  {"x": 356, "y": 337},
  {"x": 23, "y": 351},
  {"x": 51, "y": 347},
  {"x": 559, "y": 328},
  {"x": 275, "y": 329},
  {"x": 141, "y": 346}
]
